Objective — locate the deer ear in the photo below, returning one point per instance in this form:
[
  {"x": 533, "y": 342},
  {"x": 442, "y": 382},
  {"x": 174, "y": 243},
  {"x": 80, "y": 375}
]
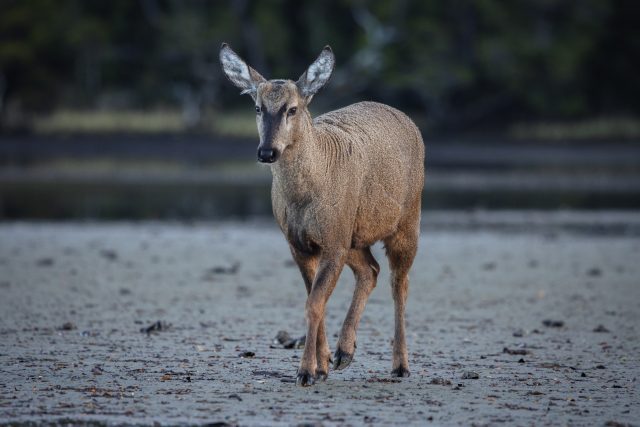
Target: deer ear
[
  {"x": 317, "y": 75},
  {"x": 238, "y": 72}
]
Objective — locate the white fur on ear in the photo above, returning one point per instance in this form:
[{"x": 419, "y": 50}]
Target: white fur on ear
[
  {"x": 238, "y": 72},
  {"x": 318, "y": 73}
]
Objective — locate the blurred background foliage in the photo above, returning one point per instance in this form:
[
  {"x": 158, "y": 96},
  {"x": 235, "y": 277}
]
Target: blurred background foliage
[{"x": 455, "y": 66}]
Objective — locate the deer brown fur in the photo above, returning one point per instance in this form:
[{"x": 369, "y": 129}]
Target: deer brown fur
[{"x": 341, "y": 182}]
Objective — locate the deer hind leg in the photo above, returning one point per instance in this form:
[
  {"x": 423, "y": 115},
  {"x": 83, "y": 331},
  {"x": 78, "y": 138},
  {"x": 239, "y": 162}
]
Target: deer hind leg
[
  {"x": 365, "y": 269},
  {"x": 329, "y": 268},
  {"x": 401, "y": 250}
]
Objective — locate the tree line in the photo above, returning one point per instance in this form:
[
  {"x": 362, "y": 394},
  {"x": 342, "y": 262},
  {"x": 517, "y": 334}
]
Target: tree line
[{"x": 459, "y": 64}]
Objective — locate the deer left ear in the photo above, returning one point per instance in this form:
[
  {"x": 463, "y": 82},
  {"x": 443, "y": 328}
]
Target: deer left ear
[
  {"x": 317, "y": 75},
  {"x": 240, "y": 74}
]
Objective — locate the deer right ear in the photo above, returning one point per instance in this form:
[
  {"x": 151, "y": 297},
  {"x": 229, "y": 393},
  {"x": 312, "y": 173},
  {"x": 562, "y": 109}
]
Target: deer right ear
[{"x": 238, "y": 72}]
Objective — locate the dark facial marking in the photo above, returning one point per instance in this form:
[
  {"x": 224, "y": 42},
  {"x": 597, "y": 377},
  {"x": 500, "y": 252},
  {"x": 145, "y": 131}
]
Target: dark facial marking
[{"x": 270, "y": 124}]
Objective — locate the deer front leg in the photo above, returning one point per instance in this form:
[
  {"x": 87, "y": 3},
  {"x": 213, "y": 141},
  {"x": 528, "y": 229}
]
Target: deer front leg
[
  {"x": 308, "y": 265},
  {"x": 365, "y": 269},
  {"x": 324, "y": 282}
]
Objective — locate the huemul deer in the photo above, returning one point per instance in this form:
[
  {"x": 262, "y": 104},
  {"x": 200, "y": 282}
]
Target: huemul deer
[{"x": 341, "y": 182}]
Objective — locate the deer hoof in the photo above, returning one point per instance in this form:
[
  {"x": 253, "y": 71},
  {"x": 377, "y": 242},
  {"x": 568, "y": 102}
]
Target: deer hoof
[
  {"x": 342, "y": 359},
  {"x": 400, "y": 372},
  {"x": 321, "y": 375},
  {"x": 305, "y": 379}
]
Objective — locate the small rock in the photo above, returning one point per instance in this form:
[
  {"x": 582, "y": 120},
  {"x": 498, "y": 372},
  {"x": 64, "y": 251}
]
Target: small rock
[
  {"x": 518, "y": 333},
  {"x": 488, "y": 266},
  {"x": 470, "y": 375},
  {"x": 516, "y": 351},
  {"x": 440, "y": 381},
  {"x": 247, "y": 354},
  {"x": 232, "y": 269},
  {"x": 155, "y": 327},
  {"x": 44, "y": 262},
  {"x": 594, "y": 272},
  {"x": 109, "y": 254},
  {"x": 600, "y": 328},
  {"x": 68, "y": 326},
  {"x": 549, "y": 323},
  {"x": 282, "y": 337},
  {"x": 295, "y": 343}
]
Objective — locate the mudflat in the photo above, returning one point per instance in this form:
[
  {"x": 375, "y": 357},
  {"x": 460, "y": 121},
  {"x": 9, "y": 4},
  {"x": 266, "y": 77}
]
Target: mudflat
[{"x": 137, "y": 323}]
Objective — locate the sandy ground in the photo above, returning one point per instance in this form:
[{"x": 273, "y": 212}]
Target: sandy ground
[{"x": 76, "y": 296}]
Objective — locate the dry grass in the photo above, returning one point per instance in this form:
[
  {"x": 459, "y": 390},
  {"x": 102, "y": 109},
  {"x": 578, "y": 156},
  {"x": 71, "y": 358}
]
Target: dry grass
[
  {"x": 68, "y": 121},
  {"x": 240, "y": 124}
]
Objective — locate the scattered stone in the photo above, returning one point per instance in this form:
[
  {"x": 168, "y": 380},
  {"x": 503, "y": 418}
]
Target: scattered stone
[
  {"x": 44, "y": 262},
  {"x": 68, "y": 326},
  {"x": 549, "y": 323},
  {"x": 516, "y": 351},
  {"x": 158, "y": 326},
  {"x": 470, "y": 375},
  {"x": 247, "y": 354},
  {"x": 594, "y": 272},
  {"x": 518, "y": 333},
  {"x": 600, "y": 328},
  {"x": 109, "y": 254},
  {"x": 488, "y": 266},
  {"x": 284, "y": 339},
  {"x": 235, "y": 396},
  {"x": 440, "y": 381},
  {"x": 383, "y": 380},
  {"x": 232, "y": 269},
  {"x": 295, "y": 343},
  {"x": 583, "y": 375},
  {"x": 97, "y": 370},
  {"x": 521, "y": 360},
  {"x": 124, "y": 291}
]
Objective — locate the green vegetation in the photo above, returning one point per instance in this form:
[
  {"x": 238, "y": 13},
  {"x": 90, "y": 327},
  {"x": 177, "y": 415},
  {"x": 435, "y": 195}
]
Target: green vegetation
[{"x": 456, "y": 65}]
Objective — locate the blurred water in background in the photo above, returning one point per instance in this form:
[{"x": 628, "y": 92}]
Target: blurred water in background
[{"x": 119, "y": 110}]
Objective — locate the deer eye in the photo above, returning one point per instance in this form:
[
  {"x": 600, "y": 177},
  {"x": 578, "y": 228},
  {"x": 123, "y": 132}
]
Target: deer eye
[
  {"x": 292, "y": 111},
  {"x": 258, "y": 109}
]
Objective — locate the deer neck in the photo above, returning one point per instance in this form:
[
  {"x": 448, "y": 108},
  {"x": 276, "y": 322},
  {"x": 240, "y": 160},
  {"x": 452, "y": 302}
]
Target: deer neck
[{"x": 301, "y": 172}]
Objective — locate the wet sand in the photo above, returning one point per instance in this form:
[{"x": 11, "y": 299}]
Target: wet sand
[{"x": 76, "y": 298}]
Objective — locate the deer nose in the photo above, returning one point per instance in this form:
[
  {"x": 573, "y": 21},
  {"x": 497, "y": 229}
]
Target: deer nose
[{"x": 267, "y": 155}]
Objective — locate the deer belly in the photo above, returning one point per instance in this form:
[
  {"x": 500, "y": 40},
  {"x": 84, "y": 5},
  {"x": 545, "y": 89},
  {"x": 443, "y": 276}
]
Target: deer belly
[{"x": 377, "y": 217}]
